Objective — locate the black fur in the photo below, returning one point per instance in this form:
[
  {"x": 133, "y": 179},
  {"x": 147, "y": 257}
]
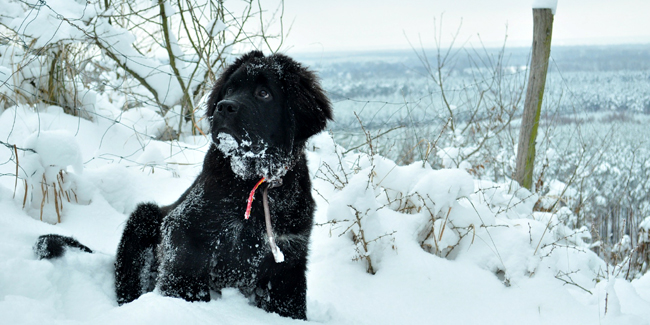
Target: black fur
[
  {"x": 53, "y": 246},
  {"x": 136, "y": 265},
  {"x": 262, "y": 110}
]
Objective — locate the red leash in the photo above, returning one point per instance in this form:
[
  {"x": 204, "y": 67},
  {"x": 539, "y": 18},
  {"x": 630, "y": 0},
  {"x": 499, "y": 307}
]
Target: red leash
[
  {"x": 275, "y": 250},
  {"x": 249, "y": 203}
]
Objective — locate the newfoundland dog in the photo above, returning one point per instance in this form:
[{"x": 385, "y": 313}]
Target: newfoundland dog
[{"x": 246, "y": 220}]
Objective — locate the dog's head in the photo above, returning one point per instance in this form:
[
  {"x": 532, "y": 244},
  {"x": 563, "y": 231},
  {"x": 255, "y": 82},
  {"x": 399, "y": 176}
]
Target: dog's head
[{"x": 263, "y": 109}]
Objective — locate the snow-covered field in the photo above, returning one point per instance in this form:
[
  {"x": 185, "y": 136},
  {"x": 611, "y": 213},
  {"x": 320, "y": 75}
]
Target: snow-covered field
[{"x": 445, "y": 248}]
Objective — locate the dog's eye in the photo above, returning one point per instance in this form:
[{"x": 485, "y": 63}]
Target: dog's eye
[
  {"x": 229, "y": 91},
  {"x": 264, "y": 94}
]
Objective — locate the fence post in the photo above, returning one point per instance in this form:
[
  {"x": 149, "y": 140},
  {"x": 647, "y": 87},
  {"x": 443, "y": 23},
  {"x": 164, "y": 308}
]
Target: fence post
[{"x": 542, "y": 32}]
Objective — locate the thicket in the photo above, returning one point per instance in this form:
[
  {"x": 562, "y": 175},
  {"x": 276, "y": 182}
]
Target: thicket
[{"x": 160, "y": 54}]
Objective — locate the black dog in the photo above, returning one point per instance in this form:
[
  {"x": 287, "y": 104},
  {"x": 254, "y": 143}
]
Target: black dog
[{"x": 262, "y": 110}]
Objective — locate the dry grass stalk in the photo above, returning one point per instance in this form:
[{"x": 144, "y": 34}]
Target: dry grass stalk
[
  {"x": 442, "y": 231},
  {"x": 56, "y": 204},
  {"x": 25, "y": 197},
  {"x": 432, "y": 230},
  {"x": 59, "y": 179},
  {"x": 16, "y": 182},
  {"x": 44, "y": 191}
]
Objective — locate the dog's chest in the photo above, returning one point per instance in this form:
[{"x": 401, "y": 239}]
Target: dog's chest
[
  {"x": 237, "y": 249},
  {"x": 238, "y": 252}
]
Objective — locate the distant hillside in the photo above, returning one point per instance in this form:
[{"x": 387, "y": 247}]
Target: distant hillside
[{"x": 397, "y": 62}]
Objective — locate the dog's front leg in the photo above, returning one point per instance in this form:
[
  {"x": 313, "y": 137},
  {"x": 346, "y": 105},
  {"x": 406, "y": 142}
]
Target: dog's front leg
[
  {"x": 183, "y": 271},
  {"x": 284, "y": 293},
  {"x": 283, "y": 286}
]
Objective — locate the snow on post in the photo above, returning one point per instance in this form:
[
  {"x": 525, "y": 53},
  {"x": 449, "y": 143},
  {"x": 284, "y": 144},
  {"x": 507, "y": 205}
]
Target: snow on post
[{"x": 545, "y": 4}]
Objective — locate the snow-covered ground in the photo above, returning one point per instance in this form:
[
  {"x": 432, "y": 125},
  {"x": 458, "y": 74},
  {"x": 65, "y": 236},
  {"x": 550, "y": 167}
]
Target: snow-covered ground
[{"x": 445, "y": 248}]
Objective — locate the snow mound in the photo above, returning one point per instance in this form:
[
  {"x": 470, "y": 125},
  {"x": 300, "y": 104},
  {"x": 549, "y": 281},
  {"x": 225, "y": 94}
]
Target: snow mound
[
  {"x": 52, "y": 170},
  {"x": 56, "y": 150}
]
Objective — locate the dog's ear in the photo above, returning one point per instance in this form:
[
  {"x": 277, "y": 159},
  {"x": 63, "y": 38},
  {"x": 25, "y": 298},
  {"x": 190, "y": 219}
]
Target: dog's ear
[
  {"x": 216, "y": 89},
  {"x": 307, "y": 100}
]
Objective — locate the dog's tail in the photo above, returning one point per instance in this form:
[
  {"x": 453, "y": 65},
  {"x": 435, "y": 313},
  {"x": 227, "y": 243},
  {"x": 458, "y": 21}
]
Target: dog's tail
[{"x": 53, "y": 246}]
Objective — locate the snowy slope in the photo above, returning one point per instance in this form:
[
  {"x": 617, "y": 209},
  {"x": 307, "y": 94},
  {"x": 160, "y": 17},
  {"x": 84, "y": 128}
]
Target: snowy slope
[{"x": 497, "y": 262}]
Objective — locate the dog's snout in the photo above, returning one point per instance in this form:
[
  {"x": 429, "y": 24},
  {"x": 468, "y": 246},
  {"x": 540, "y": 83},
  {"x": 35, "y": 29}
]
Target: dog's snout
[{"x": 227, "y": 106}]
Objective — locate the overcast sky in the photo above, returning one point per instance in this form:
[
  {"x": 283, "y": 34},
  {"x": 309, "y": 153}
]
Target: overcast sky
[{"x": 335, "y": 25}]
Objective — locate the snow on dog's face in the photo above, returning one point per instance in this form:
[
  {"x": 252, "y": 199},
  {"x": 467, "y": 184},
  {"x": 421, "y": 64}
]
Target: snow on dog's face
[{"x": 262, "y": 110}]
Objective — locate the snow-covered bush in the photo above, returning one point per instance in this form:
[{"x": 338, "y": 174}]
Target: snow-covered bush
[
  {"x": 134, "y": 53},
  {"x": 51, "y": 169},
  {"x": 384, "y": 209},
  {"x": 603, "y": 176},
  {"x": 640, "y": 258}
]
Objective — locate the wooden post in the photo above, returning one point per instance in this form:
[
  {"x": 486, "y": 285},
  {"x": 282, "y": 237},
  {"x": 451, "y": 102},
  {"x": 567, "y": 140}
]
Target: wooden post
[{"x": 542, "y": 32}]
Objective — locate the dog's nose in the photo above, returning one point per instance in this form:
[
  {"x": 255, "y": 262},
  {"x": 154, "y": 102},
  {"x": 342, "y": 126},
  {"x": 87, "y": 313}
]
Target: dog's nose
[{"x": 227, "y": 106}]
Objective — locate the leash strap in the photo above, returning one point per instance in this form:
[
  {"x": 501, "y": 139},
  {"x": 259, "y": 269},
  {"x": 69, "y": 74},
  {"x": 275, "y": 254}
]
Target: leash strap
[
  {"x": 277, "y": 253},
  {"x": 251, "y": 197}
]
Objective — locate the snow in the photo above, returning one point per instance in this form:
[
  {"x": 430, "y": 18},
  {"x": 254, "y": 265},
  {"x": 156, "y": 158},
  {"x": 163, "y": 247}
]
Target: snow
[
  {"x": 239, "y": 158},
  {"x": 249, "y": 160},
  {"x": 46, "y": 25},
  {"x": 645, "y": 224},
  {"x": 550, "y": 4},
  {"x": 445, "y": 247},
  {"x": 55, "y": 149},
  {"x": 216, "y": 26}
]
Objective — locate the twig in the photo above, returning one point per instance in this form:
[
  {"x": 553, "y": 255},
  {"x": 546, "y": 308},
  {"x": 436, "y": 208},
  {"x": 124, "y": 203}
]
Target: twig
[
  {"x": 16, "y": 181},
  {"x": 56, "y": 203},
  {"x": 442, "y": 231}
]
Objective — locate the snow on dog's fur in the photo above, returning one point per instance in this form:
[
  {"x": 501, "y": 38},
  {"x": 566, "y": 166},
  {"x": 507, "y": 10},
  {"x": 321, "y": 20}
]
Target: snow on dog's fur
[{"x": 262, "y": 110}]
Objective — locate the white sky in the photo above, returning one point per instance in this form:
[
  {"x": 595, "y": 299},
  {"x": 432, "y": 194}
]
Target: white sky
[{"x": 334, "y": 25}]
